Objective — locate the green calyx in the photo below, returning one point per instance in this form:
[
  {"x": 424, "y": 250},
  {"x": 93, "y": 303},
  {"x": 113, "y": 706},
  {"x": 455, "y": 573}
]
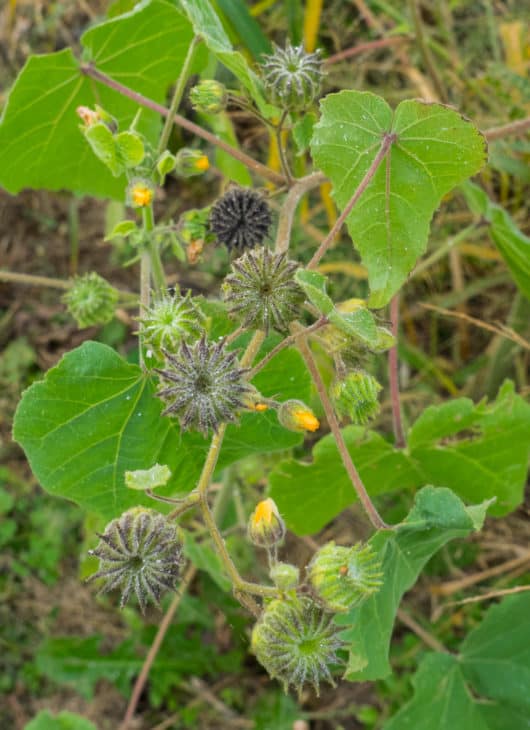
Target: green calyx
[
  {"x": 261, "y": 291},
  {"x": 170, "y": 320},
  {"x": 209, "y": 96},
  {"x": 139, "y": 553},
  {"x": 285, "y": 576},
  {"x": 356, "y": 397},
  {"x": 343, "y": 577},
  {"x": 292, "y": 77},
  {"x": 297, "y": 643},
  {"x": 91, "y": 300}
]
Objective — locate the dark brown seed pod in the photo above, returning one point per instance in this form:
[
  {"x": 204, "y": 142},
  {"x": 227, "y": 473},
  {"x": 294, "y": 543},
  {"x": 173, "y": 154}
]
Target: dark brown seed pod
[{"x": 240, "y": 219}]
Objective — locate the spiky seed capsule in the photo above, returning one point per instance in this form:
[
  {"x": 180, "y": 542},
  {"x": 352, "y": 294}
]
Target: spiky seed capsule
[
  {"x": 190, "y": 162},
  {"x": 356, "y": 397},
  {"x": 206, "y": 386},
  {"x": 343, "y": 577},
  {"x": 138, "y": 553},
  {"x": 285, "y": 576},
  {"x": 209, "y": 96},
  {"x": 296, "y": 642},
  {"x": 91, "y": 300},
  {"x": 261, "y": 291},
  {"x": 240, "y": 219},
  {"x": 292, "y": 77},
  {"x": 168, "y": 321},
  {"x": 296, "y": 416},
  {"x": 265, "y": 526}
]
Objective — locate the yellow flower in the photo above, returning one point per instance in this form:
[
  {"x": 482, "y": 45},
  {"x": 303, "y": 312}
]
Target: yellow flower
[
  {"x": 266, "y": 527},
  {"x": 296, "y": 416},
  {"x": 141, "y": 194},
  {"x": 202, "y": 163}
]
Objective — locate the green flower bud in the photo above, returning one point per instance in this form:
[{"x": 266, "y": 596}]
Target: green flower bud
[
  {"x": 343, "y": 577},
  {"x": 209, "y": 96},
  {"x": 296, "y": 642},
  {"x": 292, "y": 77},
  {"x": 265, "y": 526},
  {"x": 356, "y": 397},
  {"x": 189, "y": 162},
  {"x": 139, "y": 553},
  {"x": 168, "y": 321},
  {"x": 285, "y": 576},
  {"x": 91, "y": 300},
  {"x": 296, "y": 416}
]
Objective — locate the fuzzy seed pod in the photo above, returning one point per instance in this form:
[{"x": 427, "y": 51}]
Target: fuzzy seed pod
[
  {"x": 91, "y": 300},
  {"x": 139, "y": 553},
  {"x": 206, "y": 386},
  {"x": 240, "y": 219},
  {"x": 209, "y": 96},
  {"x": 296, "y": 416},
  {"x": 285, "y": 576},
  {"x": 265, "y": 526},
  {"x": 356, "y": 397},
  {"x": 343, "y": 577},
  {"x": 189, "y": 162},
  {"x": 292, "y": 77},
  {"x": 168, "y": 321},
  {"x": 261, "y": 291},
  {"x": 297, "y": 642}
]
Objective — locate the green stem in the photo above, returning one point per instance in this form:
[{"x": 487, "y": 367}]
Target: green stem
[
  {"x": 177, "y": 94},
  {"x": 157, "y": 271}
]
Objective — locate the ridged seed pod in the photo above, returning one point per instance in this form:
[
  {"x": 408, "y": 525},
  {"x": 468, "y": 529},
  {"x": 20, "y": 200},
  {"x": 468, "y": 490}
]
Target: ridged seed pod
[
  {"x": 91, "y": 300},
  {"x": 343, "y": 577},
  {"x": 261, "y": 291},
  {"x": 292, "y": 77},
  {"x": 297, "y": 643},
  {"x": 356, "y": 397},
  {"x": 139, "y": 553},
  {"x": 285, "y": 576},
  {"x": 206, "y": 386},
  {"x": 240, "y": 219},
  {"x": 209, "y": 96},
  {"x": 168, "y": 321}
]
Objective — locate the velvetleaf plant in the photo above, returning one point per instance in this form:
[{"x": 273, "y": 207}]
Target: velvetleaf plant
[{"x": 211, "y": 387}]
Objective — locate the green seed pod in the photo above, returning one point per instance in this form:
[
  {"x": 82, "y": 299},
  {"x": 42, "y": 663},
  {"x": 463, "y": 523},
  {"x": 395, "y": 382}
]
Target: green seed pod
[
  {"x": 91, "y": 300},
  {"x": 168, "y": 321},
  {"x": 209, "y": 96},
  {"x": 297, "y": 642},
  {"x": 343, "y": 577},
  {"x": 139, "y": 553},
  {"x": 190, "y": 162},
  {"x": 265, "y": 526},
  {"x": 356, "y": 397},
  {"x": 285, "y": 576},
  {"x": 205, "y": 385},
  {"x": 292, "y": 77},
  {"x": 261, "y": 291},
  {"x": 296, "y": 416}
]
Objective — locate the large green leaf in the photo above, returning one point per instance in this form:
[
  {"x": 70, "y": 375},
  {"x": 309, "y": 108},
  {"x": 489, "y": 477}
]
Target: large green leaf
[
  {"x": 40, "y": 142},
  {"x": 94, "y": 416},
  {"x": 512, "y": 243},
  {"x": 435, "y": 149},
  {"x": 437, "y": 516},
  {"x": 485, "y": 687},
  {"x": 479, "y": 451},
  {"x": 63, "y": 721}
]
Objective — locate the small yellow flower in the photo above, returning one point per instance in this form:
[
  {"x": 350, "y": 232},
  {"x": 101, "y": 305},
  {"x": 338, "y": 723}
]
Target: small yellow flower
[
  {"x": 296, "y": 416},
  {"x": 202, "y": 163},
  {"x": 266, "y": 527},
  {"x": 141, "y": 194},
  {"x": 88, "y": 116}
]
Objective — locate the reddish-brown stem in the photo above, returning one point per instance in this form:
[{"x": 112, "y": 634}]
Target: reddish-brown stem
[
  {"x": 366, "y": 48},
  {"x": 388, "y": 140},
  {"x": 155, "y": 646},
  {"x": 399, "y": 434},
  {"x": 360, "y": 489},
  {"x": 253, "y": 165},
  {"x": 518, "y": 127}
]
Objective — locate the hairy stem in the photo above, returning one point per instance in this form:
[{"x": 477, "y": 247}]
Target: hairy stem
[
  {"x": 177, "y": 94},
  {"x": 281, "y": 149},
  {"x": 519, "y": 127},
  {"x": 157, "y": 270},
  {"x": 399, "y": 434},
  {"x": 366, "y": 47},
  {"x": 253, "y": 165},
  {"x": 386, "y": 144},
  {"x": 285, "y": 222},
  {"x": 351, "y": 470}
]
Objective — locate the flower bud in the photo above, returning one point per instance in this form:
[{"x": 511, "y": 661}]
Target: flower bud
[
  {"x": 91, "y": 300},
  {"x": 343, "y": 577},
  {"x": 296, "y": 416},
  {"x": 209, "y": 96},
  {"x": 356, "y": 397},
  {"x": 140, "y": 193},
  {"x": 265, "y": 526},
  {"x": 254, "y": 401},
  {"x": 190, "y": 162},
  {"x": 285, "y": 576}
]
